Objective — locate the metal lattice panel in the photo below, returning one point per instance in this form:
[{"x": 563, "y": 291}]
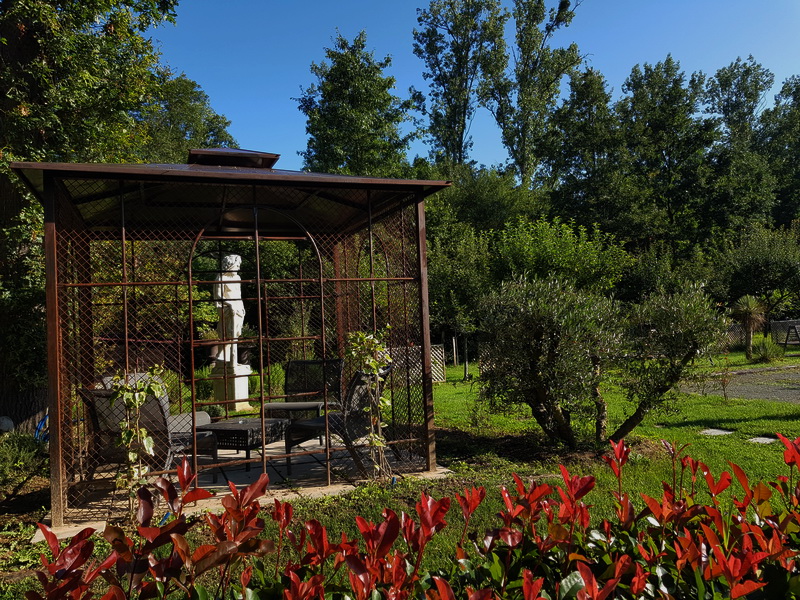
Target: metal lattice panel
[{"x": 136, "y": 254}]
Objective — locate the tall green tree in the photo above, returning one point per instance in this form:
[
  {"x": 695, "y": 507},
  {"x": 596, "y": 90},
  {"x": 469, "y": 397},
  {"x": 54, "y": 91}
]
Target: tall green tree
[
  {"x": 741, "y": 189},
  {"x": 72, "y": 72},
  {"x": 453, "y": 40},
  {"x": 521, "y": 86},
  {"x": 668, "y": 142},
  {"x": 585, "y": 158},
  {"x": 176, "y": 118},
  {"x": 354, "y": 121},
  {"x": 736, "y": 94},
  {"x": 71, "y": 75},
  {"x": 779, "y": 141}
]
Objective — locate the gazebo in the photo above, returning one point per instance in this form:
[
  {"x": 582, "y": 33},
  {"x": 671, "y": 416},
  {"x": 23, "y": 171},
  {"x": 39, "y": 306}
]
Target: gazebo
[{"x": 136, "y": 259}]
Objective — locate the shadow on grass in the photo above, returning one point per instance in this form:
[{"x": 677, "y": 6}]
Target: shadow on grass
[
  {"x": 457, "y": 445},
  {"x": 27, "y": 501},
  {"x": 733, "y": 423}
]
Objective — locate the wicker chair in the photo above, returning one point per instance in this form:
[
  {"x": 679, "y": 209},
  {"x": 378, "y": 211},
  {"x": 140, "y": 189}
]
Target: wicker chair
[{"x": 172, "y": 434}]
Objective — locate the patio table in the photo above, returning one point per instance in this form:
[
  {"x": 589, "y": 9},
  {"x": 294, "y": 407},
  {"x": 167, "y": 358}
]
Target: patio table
[{"x": 245, "y": 433}]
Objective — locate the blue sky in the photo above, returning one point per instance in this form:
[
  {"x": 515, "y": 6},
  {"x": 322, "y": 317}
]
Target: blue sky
[{"x": 253, "y": 56}]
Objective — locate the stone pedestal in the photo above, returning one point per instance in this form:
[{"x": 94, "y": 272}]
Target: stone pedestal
[{"x": 231, "y": 384}]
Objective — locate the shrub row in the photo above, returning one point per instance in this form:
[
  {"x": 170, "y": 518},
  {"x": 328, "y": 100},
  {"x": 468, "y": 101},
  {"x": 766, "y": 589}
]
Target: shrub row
[{"x": 543, "y": 547}]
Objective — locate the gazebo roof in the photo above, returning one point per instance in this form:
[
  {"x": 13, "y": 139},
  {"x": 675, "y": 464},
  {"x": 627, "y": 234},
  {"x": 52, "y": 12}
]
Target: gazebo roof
[{"x": 157, "y": 195}]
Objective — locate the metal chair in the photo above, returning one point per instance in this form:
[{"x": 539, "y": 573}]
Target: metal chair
[
  {"x": 349, "y": 423},
  {"x": 306, "y": 380}
]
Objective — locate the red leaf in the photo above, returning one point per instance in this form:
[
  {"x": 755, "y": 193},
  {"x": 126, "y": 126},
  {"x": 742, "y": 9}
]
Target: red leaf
[
  {"x": 144, "y": 512},
  {"x": 445, "y": 591},
  {"x": 578, "y": 486},
  {"x": 720, "y": 486},
  {"x": 103, "y": 566},
  {"x": 791, "y": 455},
  {"x": 245, "y": 577},
  {"x": 196, "y": 494},
  {"x": 588, "y": 579},
  {"x": 621, "y": 452},
  {"x": 185, "y": 475},
  {"x": 182, "y": 549},
  {"x": 745, "y": 587},
  {"x": 431, "y": 514},
  {"x": 255, "y": 490},
  {"x": 639, "y": 581},
  {"x": 149, "y": 533},
  {"x": 169, "y": 493},
  {"x": 114, "y": 593},
  {"x": 471, "y": 500},
  {"x": 388, "y": 532},
  {"x": 531, "y": 588},
  {"x": 52, "y": 540}
]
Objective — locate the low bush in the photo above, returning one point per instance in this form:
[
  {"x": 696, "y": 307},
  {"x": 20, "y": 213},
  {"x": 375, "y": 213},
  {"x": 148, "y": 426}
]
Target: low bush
[
  {"x": 767, "y": 351},
  {"x": 697, "y": 540},
  {"x": 20, "y": 457}
]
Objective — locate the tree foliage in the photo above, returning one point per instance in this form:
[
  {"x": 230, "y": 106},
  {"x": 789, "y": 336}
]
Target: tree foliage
[
  {"x": 176, "y": 118},
  {"x": 742, "y": 184},
  {"x": 81, "y": 83},
  {"x": 72, "y": 73},
  {"x": 779, "y": 142},
  {"x": 453, "y": 40},
  {"x": 542, "y": 343},
  {"x": 667, "y": 142},
  {"x": 584, "y": 158},
  {"x": 521, "y": 86},
  {"x": 666, "y": 333},
  {"x": 540, "y": 249},
  {"x": 354, "y": 121},
  {"x": 765, "y": 264}
]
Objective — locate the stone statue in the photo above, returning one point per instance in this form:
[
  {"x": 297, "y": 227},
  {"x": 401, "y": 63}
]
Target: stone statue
[{"x": 228, "y": 296}]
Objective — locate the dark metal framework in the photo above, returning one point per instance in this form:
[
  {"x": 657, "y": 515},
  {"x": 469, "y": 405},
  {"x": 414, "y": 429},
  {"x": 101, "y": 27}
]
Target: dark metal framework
[{"x": 132, "y": 252}]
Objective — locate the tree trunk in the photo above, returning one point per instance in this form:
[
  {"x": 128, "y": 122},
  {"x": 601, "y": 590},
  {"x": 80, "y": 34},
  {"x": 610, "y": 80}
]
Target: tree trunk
[
  {"x": 554, "y": 422},
  {"x": 646, "y": 404},
  {"x": 631, "y": 422},
  {"x": 466, "y": 359},
  {"x": 748, "y": 343},
  {"x": 601, "y": 410}
]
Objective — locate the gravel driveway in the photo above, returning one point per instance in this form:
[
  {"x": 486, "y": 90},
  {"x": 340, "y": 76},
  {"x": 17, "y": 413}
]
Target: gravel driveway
[{"x": 776, "y": 383}]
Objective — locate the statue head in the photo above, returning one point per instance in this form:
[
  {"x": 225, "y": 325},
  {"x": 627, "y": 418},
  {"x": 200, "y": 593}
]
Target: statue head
[{"x": 231, "y": 262}]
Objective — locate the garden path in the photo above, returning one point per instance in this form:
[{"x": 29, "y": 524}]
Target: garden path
[{"x": 781, "y": 384}]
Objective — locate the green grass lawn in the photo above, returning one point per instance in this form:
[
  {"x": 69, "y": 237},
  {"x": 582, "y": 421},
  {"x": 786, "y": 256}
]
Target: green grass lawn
[
  {"x": 483, "y": 448},
  {"x": 490, "y": 446}
]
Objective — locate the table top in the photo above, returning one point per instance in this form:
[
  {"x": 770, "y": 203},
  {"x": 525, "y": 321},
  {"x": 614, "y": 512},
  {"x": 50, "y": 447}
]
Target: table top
[
  {"x": 290, "y": 406},
  {"x": 253, "y": 423}
]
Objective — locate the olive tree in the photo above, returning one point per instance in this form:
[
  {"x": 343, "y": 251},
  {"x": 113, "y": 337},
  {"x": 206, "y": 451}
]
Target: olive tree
[
  {"x": 666, "y": 333},
  {"x": 544, "y": 344}
]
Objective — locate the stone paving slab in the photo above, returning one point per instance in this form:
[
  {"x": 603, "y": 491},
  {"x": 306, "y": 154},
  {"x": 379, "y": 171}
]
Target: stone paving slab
[{"x": 713, "y": 431}]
